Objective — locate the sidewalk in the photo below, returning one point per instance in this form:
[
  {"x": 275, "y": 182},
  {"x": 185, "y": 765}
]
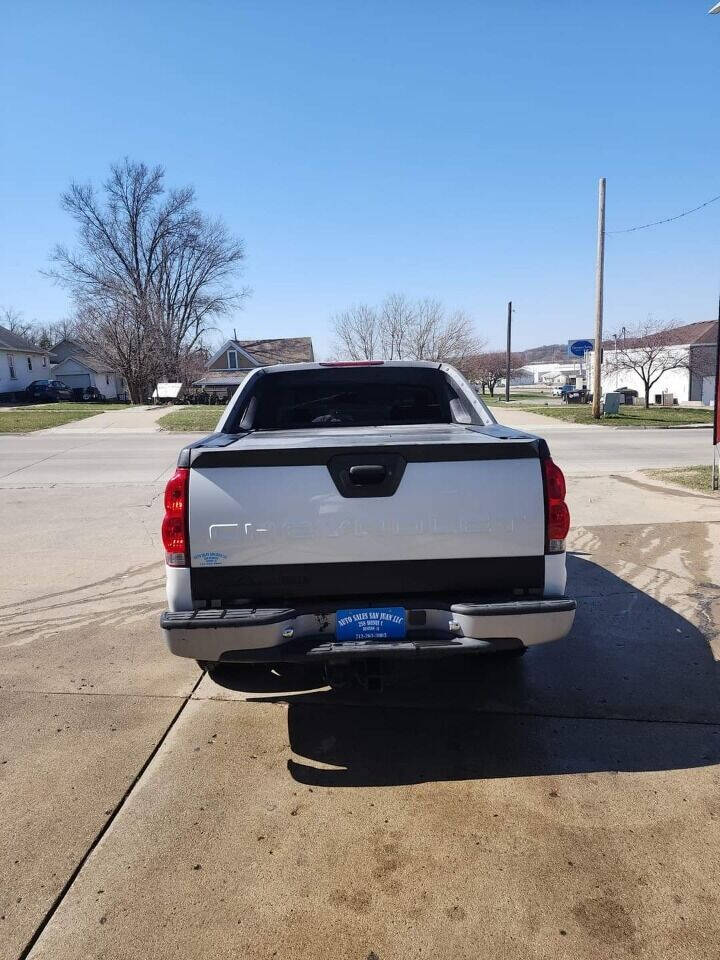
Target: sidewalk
[
  {"x": 137, "y": 419},
  {"x": 534, "y": 422}
]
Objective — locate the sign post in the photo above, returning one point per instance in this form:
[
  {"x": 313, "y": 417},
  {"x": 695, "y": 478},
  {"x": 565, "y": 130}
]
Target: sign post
[{"x": 579, "y": 348}]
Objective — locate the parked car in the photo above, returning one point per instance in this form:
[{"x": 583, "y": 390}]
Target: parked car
[
  {"x": 563, "y": 390},
  {"x": 48, "y": 391},
  {"x": 577, "y": 395},
  {"x": 299, "y": 531}
]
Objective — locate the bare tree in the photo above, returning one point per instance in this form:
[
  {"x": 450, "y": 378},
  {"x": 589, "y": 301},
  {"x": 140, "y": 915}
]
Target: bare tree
[
  {"x": 357, "y": 333},
  {"x": 650, "y": 350},
  {"x": 194, "y": 364},
  {"x": 488, "y": 369},
  {"x": 13, "y": 321},
  {"x": 436, "y": 335},
  {"x": 65, "y": 329},
  {"x": 121, "y": 335},
  {"x": 150, "y": 272},
  {"x": 40, "y": 334},
  {"x": 397, "y": 316},
  {"x": 402, "y": 330}
]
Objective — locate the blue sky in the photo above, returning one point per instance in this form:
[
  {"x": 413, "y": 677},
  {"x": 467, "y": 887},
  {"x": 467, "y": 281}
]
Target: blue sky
[{"x": 446, "y": 149}]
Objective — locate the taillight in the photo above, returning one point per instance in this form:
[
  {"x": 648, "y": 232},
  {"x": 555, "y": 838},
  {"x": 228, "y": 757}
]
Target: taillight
[
  {"x": 557, "y": 515},
  {"x": 174, "y": 525}
]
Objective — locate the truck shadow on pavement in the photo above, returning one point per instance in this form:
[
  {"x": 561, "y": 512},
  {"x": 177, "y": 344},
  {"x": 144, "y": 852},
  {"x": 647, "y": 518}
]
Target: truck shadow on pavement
[{"x": 633, "y": 688}]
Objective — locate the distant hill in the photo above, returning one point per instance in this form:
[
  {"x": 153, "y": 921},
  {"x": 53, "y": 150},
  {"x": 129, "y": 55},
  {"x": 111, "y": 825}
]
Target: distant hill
[
  {"x": 702, "y": 332},
  {"x": 550, "y": 353}
]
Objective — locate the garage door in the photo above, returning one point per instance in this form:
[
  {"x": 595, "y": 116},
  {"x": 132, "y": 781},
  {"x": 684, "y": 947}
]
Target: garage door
[{"x": 76, "y": 379}]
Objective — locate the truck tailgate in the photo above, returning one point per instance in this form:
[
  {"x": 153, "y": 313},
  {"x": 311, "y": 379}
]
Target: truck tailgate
[{"x": 358, "y": 511}]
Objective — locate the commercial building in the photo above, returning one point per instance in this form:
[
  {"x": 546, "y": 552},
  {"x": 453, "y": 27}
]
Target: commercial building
[{"x": 689, "y": 350}]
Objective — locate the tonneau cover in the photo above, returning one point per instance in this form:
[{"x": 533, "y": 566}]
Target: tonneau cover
[{"x": 433, "y": 443}]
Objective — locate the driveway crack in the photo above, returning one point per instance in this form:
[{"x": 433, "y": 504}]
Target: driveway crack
[{"x": 50, "y": 913}]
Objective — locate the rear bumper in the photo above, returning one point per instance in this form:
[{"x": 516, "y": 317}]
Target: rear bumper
[{"x": 288, "y": 634}]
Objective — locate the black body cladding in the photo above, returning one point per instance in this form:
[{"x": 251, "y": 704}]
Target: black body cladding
[{"x": 283, "y": 582}]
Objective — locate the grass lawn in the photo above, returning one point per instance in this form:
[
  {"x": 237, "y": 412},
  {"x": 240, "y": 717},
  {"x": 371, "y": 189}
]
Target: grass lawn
[
  {"x": 694, "y": 478},
  {"x": 41, "y": 416},
  {"x": 662, "y": 417},
  {"x": 516, "y": 397},
  {"x": 192, "y": 419}
]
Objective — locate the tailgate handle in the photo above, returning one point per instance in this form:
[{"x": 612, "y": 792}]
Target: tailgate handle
[{"x": 365, "y": 474}]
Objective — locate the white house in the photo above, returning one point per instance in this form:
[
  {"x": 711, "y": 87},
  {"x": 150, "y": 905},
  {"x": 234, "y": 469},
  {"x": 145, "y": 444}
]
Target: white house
[
  {"x": 694, "y": 344},
  {"x": 20, "y": 363},
  {"x": 234, "y": 360},
  {"x": 77, "y": 367}
]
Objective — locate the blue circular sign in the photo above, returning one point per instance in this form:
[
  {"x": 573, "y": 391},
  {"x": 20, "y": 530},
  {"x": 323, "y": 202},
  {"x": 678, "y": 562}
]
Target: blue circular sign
[{"x": 580, "y": 347}]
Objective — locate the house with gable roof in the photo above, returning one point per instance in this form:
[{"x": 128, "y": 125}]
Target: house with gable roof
[
  {"x": 229, "y": 366},
  {"x": 21, "y": 362},
  {"x": 76, "y": 366}
]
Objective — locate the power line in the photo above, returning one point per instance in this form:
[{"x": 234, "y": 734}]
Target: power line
[{"x": 657, "y": 223}]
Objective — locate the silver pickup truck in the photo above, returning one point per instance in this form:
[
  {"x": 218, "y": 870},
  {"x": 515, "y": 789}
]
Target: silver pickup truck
[{"x": 357, "y": 510}]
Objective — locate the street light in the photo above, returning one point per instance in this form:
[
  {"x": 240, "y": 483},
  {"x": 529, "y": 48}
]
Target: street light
[{"x": 715, "y": 9}]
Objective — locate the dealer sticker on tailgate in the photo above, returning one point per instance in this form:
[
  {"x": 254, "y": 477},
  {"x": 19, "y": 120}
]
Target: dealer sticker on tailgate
[{"x": 372, "y": 623}]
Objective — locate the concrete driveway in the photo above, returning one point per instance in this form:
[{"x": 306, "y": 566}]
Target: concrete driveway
[
  {"x": 563, "y": 806},
  {"x": 135, "y": 419}
]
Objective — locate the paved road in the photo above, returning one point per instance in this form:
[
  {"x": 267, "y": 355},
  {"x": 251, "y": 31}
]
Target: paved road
[
  {"x": 563, "y": 807},
  {"x": 89, "y": 456},
  {"x": 598, "y": 450}
]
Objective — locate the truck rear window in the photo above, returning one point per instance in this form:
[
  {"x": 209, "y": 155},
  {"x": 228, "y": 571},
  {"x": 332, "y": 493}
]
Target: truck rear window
[{"x": 342, "y": 397}]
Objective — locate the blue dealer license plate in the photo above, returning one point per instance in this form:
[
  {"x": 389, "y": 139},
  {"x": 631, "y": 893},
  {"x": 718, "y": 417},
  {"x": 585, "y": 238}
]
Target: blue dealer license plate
[{"x": 372, "y": 623}]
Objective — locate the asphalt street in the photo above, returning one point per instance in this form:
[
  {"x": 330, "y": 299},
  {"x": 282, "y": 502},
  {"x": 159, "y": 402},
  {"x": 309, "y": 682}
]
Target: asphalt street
[
  {"x": 89, "y": 456},
  {"x": 563, "y": 806}
]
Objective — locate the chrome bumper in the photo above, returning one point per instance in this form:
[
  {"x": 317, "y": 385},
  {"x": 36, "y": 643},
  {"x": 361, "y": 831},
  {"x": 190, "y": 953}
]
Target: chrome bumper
[{"x": 286, "y": 634}]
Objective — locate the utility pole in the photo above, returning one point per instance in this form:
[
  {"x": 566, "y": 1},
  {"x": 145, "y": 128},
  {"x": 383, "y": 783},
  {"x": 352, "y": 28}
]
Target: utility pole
[
  {"x": 716, "y": 411},
  {"x": 716, "y": 407},
  {"x": 599, "y": 291},
  {"x": 507, "y": 367}
]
